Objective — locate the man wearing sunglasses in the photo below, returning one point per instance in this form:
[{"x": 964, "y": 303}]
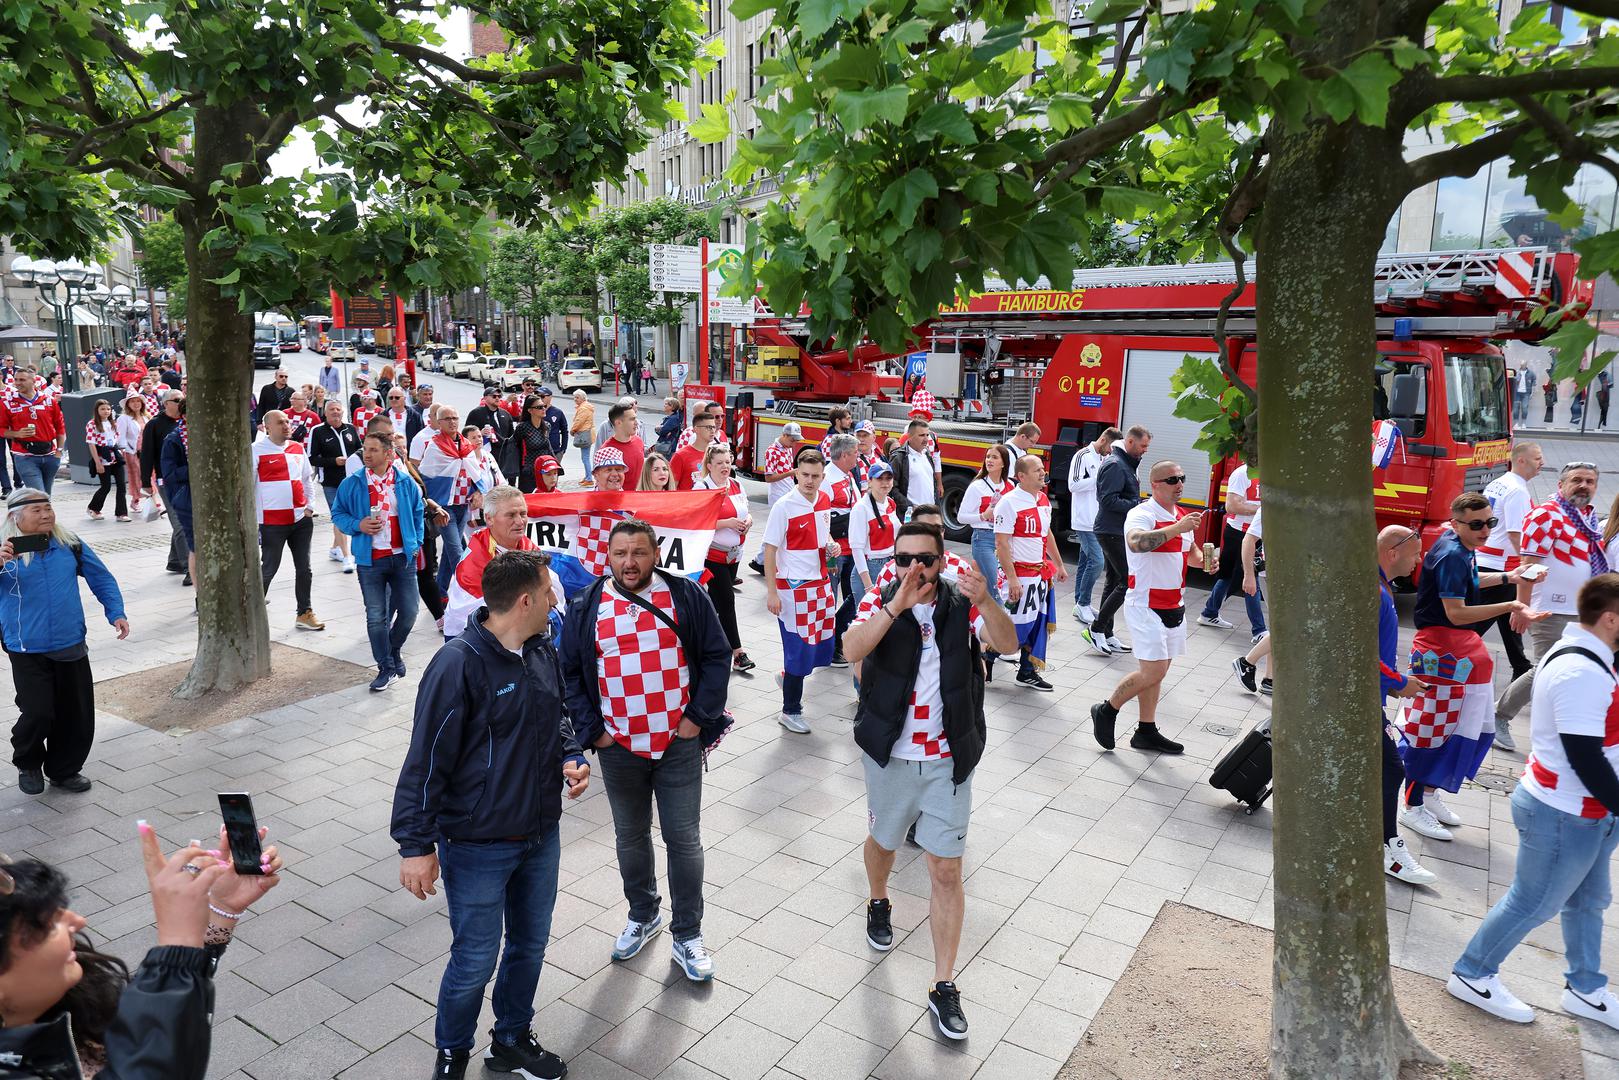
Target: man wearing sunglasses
[
  {"x": 1564, "y": 535},
  {"x": 1158, "y": 535},
  {"x": 920, "y": 723},
  {"x": 1447, "y": 730}
]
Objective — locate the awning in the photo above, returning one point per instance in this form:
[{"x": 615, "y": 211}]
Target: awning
[
  {"x": 25, "y": 332},
  {"x": 83, "y": 316}
]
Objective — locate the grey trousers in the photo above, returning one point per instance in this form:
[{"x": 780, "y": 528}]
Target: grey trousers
[{"x": 1543, "y": 635}]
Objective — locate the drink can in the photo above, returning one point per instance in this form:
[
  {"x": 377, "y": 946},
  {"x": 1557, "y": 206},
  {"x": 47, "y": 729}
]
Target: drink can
[{"x": 1208, "y": 558}]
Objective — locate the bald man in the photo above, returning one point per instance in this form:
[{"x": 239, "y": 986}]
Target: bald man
[
  {"x": 1158, "y": 544},
  {"x": 1398, "y": 549}
]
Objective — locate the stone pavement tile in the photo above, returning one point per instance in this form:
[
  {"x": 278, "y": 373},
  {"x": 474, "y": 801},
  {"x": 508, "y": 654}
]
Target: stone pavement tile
[
  {"x": 285, "y": 965},
  {"x": 830, "y": 1054},
  {"x": 748, "y": 965},
  {"x": 1141, "y": 898},
  {"x": 876, "y": 1017},
  {"x": 377, "y": 1020},
  {"x": 788, "y": 872},
  {"x": 1046, "y": 921},
  {"x": 277, "y": 926},
  {"x": 646, "y": 1043},
  {"x": 1022, "y": 951},
  {"x": 918, "y": 1057},
  {"x": 423, "y": 940},
  {"x": 583, "y": 952},
  {"x": 1005, "y": 890},
  {"x": 405, "y": 909},
  {"x": 234, "y": 1045},
  {"x": 590, "y": 1065},
  {"x": 1046, "y": 1030},
  {"x": 317, "y": 1054},
  {"x": 784, "y": 932},
  {"x": 1598, "y": 1067},
  {"x": 291, "y": 1012},
  {"x": 823, "y": 903},
  {"x": 365, "y": 971},
  {"x": 614, "y": 993},
  {"x": 786, "y": 1008},
  {"x": 830, "y": 971},
  {"x": 739, "y": 1050},
  {"x": 404, "y": 1056},
  {"x": 699, "y": 1006},
  {"x": 1232, "y": 907},
  {"x": 567, "y": 1030},
  {"x": 988, "y": 1027},
  {"x": 1099, "y": 956},
  {"x": 342, "y": 896},
  {"x": 1073, "y": 991},
  {"x": 749, "y": 896},
  {"x": 232, "y": 993},
  {"x": 352, "y": 932}
]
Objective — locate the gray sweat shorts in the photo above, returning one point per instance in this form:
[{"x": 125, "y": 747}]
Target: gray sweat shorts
[{"x": 920, "y": 792}]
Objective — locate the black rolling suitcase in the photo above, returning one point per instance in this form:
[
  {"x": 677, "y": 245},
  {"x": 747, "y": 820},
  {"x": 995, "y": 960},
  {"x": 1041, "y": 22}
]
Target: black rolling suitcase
[{"x": 1245, "y": 770}]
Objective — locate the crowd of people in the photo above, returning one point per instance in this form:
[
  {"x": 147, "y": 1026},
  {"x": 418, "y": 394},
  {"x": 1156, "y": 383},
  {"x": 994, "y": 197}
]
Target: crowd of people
[{"x": 428, "y": 511}]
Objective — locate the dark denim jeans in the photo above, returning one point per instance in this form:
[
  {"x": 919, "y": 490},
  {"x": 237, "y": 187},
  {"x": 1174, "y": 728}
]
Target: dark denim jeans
[
  {"x": 388, "y": 587},
  {"x": 676, "y": 780},
  {"x": 486, "y": 884}
]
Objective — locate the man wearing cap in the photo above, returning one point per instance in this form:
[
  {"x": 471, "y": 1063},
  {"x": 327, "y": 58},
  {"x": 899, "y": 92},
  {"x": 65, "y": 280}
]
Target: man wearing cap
[
  {"x": 422, "y": 400},
  {"x": 490, "y": 418},
  {"x": 273, "y": 395},
  {"x": 363, "y": 395},
  {"x": 865, "y": 434},
  {"x": 607, "y": 468}
]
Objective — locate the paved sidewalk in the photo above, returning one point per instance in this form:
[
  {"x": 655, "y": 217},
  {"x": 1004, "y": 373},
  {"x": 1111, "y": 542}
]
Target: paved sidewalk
[{"x": 1071, "y": 854}]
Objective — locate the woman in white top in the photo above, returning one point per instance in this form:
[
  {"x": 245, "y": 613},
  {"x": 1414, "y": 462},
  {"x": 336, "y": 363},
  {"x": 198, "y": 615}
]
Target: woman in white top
[
  {"x": 131, "y": 423},
  {"x": 725, "y": 553},
  {"x": 978, "y": 506},
  {"x": 873, "y": 524},
  {"x": 489, "y": 474}
]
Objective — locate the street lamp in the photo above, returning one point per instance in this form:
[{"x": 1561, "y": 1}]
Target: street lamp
[{"x": 60, "y": 285}]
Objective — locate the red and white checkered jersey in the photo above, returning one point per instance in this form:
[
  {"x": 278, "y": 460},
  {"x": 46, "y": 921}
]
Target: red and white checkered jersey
[
  {"x": 923, "y": 737},
  {"x": 1157, "y": 578},
  {"x": 1246, "y": 485},
  {"x": 841, "y": 488},
  {"x": 105, "y": 434},
  {"x": 979, "y": 501},
  {"x": 640, "y": 671},
  {"x": 1573, "y": 695},
  {"x": 688, "y": 437},
  {"x": 1549, "y": 534},
  {"x": 1026, "y": 519},
  {"x": 779, "y": 458},
  {"x": 871, "y": 532},
  {"x": 307, "y": 419},
  {"x": 364, "y": 415},
  {"x": 954, "y": 566},
  {"x": 1509, "y": 505},
  {"x": 800, "y": 531},
  {"x": 282, "y": 478},
  {"x": 384, "y": 502}
]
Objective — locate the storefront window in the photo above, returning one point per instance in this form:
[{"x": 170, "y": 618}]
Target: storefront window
[{"x": 1514, "y": 220}]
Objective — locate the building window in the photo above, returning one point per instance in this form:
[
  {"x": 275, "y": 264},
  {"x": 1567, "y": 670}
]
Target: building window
[
  {"x": 1391, "y": 236},
  {"x": 1458, "y": 220}
]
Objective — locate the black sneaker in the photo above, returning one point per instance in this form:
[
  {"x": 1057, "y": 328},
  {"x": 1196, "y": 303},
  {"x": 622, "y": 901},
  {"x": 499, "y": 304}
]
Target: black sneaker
[
  {"x": 944, "y": 1002},
  {"x": 527, "y": 1057},
  {"x": 187, "y": 579},
  {"x": 1245, "y": 673},
  {"x": 1034, "y": 682},
  {"x": 31, "y": 781},
  {"x": 1265, "y": 687},
  {"x": 879, "y": 925},
  {"x": 837, "y": 658},
  {"x": 1148, "y": 737},
  {"x": 1103, "y": 717},
  {"x": 451, "y": 1064},
  {"x": 910, "y": 835},
  {"x": 742, "y": 662},
  {"x": 78, "y": 782}
]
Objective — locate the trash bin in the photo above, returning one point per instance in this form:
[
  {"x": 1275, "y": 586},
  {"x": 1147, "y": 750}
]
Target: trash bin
[{"x": 77, "y": 409}]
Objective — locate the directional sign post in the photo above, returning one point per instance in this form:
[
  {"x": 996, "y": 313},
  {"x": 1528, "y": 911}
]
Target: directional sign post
[{"x": 675, "y": 267}]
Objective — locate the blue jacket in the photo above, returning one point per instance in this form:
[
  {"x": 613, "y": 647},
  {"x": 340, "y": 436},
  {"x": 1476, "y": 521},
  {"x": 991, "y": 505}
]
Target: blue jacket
[
  {"x": 175, "y": 468},
  {"x": 1117, "y": 491},
  {"x": 556, "y": 430},
  {"x": 488, "y": 745},
  {"x": 353, "y": 502},
  {"x": 669, "y": 430},
  {"x": 1388, "y": 640},
  {"x": 708, "y": 658},
  {"x": 40, "y": 611}
]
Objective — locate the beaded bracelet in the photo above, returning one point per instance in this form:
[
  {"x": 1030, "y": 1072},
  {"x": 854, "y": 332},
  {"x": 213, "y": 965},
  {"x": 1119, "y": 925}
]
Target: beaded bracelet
[{"x": 223, "y": 914}]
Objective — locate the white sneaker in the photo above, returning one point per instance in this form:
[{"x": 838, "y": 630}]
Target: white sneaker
[
  {"x": 1079, "y": 615},
  {"x": 796, "y": 724},
  {"x": 635, "y": 937},
  {"x": 1399, "y": 863},
  {"x": 1215, "y": 621},
  {"x": 1097, "y": 642},
  {"x": 1086, "y": 615},
  {"x": 1488, "y": 994},
  {"x": 348, "y": 564},
  {"x": 1420, "y": 819},
  {"x": 335, "y": 554},
  {"x": 1504, "y": 739},
  {"x": 1442, "y": 813},
  {"x": 1116, "y": 645},
  {"x": 1601, "y": 1006},
  {"x": 692, "y": 957}
]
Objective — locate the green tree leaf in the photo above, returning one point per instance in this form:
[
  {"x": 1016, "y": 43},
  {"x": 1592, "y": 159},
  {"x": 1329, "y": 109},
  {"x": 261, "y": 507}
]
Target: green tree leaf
[{"x": 857, "y": 110}]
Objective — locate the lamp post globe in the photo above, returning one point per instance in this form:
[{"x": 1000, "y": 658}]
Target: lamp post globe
[
  {"x": 72, "y": 272},
  {"x": 23, "y": 269}
]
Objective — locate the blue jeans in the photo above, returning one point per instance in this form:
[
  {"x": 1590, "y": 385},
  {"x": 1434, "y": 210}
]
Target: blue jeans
[
  {"x": 388, "y": 587},
  {"x": 984, "y": 556},
  {"x": 1256, "y": 609},
  {"x": 454, "y": 545},
  {"x": 37, "y": 472},
  {"x": 1089, "y": 568},
  {"x": 584, "y": 460},
  {"x": 676, "y": 781},
  {"x": 847, "y": 589},
  {"x": 487, "y": 883},
  {"x": 1562, "y": 867},
  {"x": 874, "y": 566}
]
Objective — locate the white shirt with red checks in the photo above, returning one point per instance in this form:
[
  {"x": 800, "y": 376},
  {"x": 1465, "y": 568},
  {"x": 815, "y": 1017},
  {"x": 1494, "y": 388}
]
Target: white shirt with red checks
[
  {"x": 1566, "y": 552},
  {"x": 779, "y": 459},
  {"x": 1157, "y": 578},
  {"x": 1245, "y": 484},
  {"x": 800, "y": 530},
  {"x": 383, "y": 504},
  {"x": 283, "y": 479},
  {"x": 840, "y": 487},
  {"x": 640, "y": 671},
  {"x": 1573, "y": 695}
]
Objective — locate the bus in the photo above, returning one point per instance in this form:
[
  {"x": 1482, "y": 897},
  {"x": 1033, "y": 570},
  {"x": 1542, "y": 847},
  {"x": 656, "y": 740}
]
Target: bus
[{"x": 317, "y": 332}]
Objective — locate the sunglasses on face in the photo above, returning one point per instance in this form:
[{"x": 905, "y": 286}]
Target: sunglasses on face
[
  {"x": 1480, "y": 525},
  {"x": 905, "y": 559},
  {"x": 1173, "y": 481}
]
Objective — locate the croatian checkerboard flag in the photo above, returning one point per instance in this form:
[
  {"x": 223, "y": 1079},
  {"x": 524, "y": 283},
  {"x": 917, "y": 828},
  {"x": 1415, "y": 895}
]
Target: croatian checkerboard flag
[
  {"x": 573, "y": 529},
  {"x": 1446, "y": 732},
  {"x": 1385, "y": 440}
]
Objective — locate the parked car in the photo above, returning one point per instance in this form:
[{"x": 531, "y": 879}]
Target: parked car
[
  {"x": 432, "y": 356},
  {"x": 340, "y": 349},
  {"x": 483, "y": 367},
  {"x": 459, "y": 365},
  {"x": 516, "y": 369},
  {"x": 579, "y": 373}
]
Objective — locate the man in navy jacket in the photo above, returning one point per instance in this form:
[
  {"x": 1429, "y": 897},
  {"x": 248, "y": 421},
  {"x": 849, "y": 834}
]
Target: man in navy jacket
[{"x": 491, "y": 750}]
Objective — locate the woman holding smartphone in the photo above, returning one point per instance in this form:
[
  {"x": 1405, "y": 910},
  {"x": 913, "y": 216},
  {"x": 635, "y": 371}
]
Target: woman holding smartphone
[{"x": 42, "y": 627}]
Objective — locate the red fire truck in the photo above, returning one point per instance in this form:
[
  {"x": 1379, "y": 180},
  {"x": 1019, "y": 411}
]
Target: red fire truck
[{"x": 1101, "y": 353}]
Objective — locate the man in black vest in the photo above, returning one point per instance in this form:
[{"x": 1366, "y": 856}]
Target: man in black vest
[{"x": 920, "y": 722}]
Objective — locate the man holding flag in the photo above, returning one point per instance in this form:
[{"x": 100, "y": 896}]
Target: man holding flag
[
  {"x": 1029, "y": 558},
  {"x": 451, "y": 470}
]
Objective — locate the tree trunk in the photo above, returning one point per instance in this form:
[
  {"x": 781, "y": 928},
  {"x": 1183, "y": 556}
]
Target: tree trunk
[
  {"x": 1327, "y": 204},
  {"x": 233, "y": 634}
]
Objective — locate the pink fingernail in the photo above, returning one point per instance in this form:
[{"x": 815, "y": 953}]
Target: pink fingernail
[
  {"x": 214, "y": 852},
  {"x": 142, "y": 826},
  {"x": 222, "y": 862}
]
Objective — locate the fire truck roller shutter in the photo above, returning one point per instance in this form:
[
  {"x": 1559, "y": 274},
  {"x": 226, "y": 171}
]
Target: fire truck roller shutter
[{"x": 1147, "y": 402}]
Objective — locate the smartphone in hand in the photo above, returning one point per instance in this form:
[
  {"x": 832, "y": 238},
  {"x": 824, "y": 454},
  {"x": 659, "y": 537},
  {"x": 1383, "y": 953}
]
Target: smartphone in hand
[{"x": 242, "y": 830}]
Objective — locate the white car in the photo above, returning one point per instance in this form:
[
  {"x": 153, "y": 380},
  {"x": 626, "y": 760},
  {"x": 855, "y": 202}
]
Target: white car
[
  {"x": 340, "y": 350},
  {"x": 483, "y": 366},
  {"x": 579, "y": 373},
  {"x": 517, "y": 368},
  {"x": 459, "y": 364}
]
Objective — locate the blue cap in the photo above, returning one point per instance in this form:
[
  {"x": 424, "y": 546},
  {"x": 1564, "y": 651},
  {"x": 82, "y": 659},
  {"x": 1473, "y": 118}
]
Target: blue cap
[
  {"x": 545, "y": 391},
  {"x": 866, "y": 425},
  {"x": 879, "y": 468}
]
